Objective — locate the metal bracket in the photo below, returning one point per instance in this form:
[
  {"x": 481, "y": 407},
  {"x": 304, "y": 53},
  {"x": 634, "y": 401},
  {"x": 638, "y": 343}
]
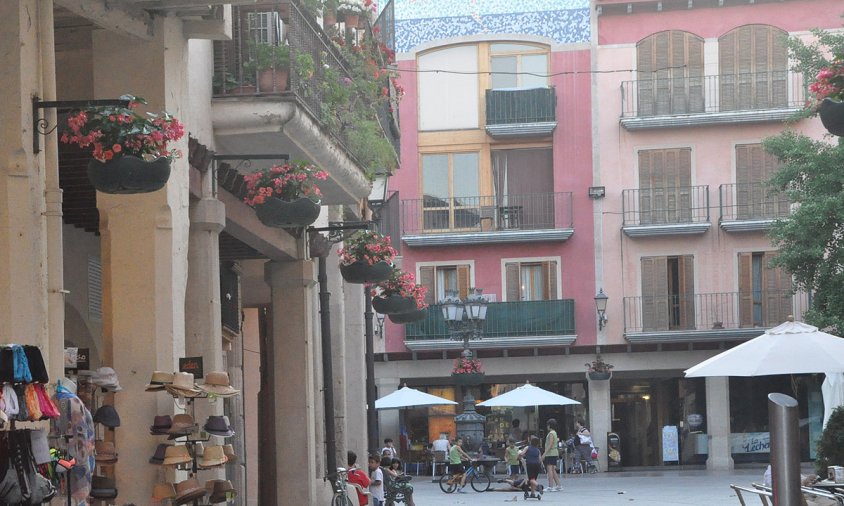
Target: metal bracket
[
  {"x": 41, "y": 126},
  {"x": 336, "y": 229},
  {"x": 245, "y": 162}
]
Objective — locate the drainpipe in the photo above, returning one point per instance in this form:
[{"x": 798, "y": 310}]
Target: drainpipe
[
  {"x": 327, "y": 368},
  {"x": 371, "y": 415}
]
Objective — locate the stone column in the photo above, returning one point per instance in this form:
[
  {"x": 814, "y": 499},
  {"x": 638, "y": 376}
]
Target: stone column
[
  {"x": 718, "y": 423},
  {"x": 293, "y": 388},
  {"x": 203, "y": 324},
  {"x": 23, "y": 232},
  {"x": 338, "y": 356},
  {"x": 600, "y": 417},
  {"x": 389, "y": 420},
  {"x": 355, "y": 400},
  {"x": 144, "y": 240}
]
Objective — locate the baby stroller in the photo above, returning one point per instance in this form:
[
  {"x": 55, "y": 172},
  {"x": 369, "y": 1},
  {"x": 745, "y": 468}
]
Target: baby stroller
[
  {"x": 592, "y": 466},
  {"x": 394, "y": 489}
]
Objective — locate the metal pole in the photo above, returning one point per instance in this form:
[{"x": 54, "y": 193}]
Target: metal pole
[
  {"x": 785, "y": 450},
  {"x": 371, "y": 415},
  {"x": 327, "y": 367}
]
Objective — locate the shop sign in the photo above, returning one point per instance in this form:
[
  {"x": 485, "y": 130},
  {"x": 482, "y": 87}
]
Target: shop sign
[
  {"x": 750, "y": 442},
  {"x": 77, "y": 358},
  {"x": 192, "y": 365},
  {"x": 670, "y": 444}
]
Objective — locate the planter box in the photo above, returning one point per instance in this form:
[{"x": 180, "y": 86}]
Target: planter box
[
  {"x": 394, "y": 304},
  {"x": 468, "y": 379},
  {"x": 129, "y": 174},
  {"x": 410, "y": 317},
  {"x": 361, "y": 272},
  {"x": 279, "y": 213}
]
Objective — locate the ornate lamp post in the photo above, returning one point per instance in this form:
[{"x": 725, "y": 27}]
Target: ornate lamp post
[{"x": 465, "y": 318}]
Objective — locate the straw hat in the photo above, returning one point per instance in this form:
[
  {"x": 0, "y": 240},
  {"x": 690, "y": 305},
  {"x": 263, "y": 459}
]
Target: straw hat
[
  {"x": 159, "y": 380},
  {"x": 158, "y": 456},
  {"x": 183, "y": 385},
  {"x": 105, "y": 452},
  {"x": 175, "y": 455},
  {"x": 163, "y": 491},
  {"x": 217, "y": 383},
  {"x": 182, "y": 425},
  {"x": 220, "y": 490},
  {"x": 189, "y": 490},
  {"x": 228, "y": 451},
  {"x": 213, "y": 456}
]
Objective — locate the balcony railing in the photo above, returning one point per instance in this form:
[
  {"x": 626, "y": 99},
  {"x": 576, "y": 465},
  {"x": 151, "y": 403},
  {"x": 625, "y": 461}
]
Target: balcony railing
[
  {"x": 674, "y": 205},
  {"x": 505, "y": 320},
  {"x": 752, "y": 202},
  {"x": 545, "y": 211},
  {"x": 528, "y": 106},
  {"x": 716, "y": 312},
  {"x": 712, "y": 94}
]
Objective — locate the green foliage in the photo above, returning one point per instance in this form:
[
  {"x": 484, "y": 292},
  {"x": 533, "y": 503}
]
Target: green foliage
[
  {"x": 810, "y": 58},
  {"x": 811, "y": 240},
  {"x": 270, "y": 56},
  {"x": 372, "y": 149},
  {"x": 831, "y": 445}
]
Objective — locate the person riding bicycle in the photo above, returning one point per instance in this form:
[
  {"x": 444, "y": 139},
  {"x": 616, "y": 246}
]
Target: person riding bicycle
[
  {"x": 357, "y": 476},
  {"x": 532, "y": 456},
  {"x": 456, "y": 456}
]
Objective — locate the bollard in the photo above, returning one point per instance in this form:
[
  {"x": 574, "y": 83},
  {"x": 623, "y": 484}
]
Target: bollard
[{"x": 785, "y": 450}]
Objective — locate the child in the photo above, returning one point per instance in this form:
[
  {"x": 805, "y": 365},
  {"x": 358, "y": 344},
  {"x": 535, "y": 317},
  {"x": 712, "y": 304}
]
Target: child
[
  {"x": 533, "y": 463},
  {"x": 358, "y": 477},
  {"x": 401, "y": 482},
  {"x": 511, "y": 454},
  {"x": 389, "y": 450},
  {"x": 376, "y": 485},
  {"x": 456, "y": 456}
]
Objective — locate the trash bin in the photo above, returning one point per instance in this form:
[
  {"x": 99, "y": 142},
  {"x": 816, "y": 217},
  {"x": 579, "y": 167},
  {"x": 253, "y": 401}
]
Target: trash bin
[{"x": 613, "y": 452}]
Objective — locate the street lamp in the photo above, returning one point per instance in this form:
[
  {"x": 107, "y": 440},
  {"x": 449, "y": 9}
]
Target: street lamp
[
  {"x": 601, "y": 305},
  {"x": 464, "y": 317},
  {"x": 380, "y": 318}
]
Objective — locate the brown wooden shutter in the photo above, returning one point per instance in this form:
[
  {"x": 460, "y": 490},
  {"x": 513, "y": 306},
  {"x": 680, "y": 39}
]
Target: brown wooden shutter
[
  {"x": 777, "y": 297},
  {"x": 511, "y": 279},
  {"x": 426, "y": 279},
  {"x": 645, "y": 77},
  {"x": 654, "y": 293},
  {"x": 745, "y": 273},
  {"x": 694, "y": 73},
  {"x": 549, "y": 280},
  {"x": 686, "y": 292},
  {"x": 645, "y": 187},
  {"x": 463, "y": 280},
  {"x": 744, "y": 182},
  {"x": 727, "y": 71},
  {"x": 753, "y": 66}
]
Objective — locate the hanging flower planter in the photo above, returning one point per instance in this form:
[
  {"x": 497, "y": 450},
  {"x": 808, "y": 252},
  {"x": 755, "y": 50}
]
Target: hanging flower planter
[
  {"x": 394, "y": 304},
  {"x": 598, "y": 370},
  {"x": 599, "y": 376},
  {"x": 832, "y": 116},
  {"x": 409, "y": 317},
  {"x": 362, "y": 272},
  {"x": 468, "y": 379},
  {"x": 129, "y": 174},
  {"x": 275, "y": 212}
]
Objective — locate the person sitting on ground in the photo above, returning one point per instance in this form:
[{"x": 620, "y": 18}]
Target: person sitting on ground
[
  {"x": 401, "y": 480},
  {"x": 532, "y": 456},
  {"x": 358, "y": 477},
  {"x": 517, "y": 483},
  {"x": 456, "y": 456},
  {"x": 511, "y": 455}
]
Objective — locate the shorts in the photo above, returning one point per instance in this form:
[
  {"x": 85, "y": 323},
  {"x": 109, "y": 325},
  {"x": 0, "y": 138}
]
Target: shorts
[
  {"x": 456, "y": 468},
  {"x": 514, "y": 469},
  {"x": 533, "y": 471},
  {"x": 551, "y": 461}
]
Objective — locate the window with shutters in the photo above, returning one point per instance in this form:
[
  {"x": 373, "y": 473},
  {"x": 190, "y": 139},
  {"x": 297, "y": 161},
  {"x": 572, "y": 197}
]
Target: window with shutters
[
  {"x": 440, "y": 280},
  {"x": 248, "y": 27},
  {"x": 531, "y": 280},
  {"x": 522, "y": 182},
  {"x": 753, "y": 68},
  {"x": 668, "y": 293},
  {"x": 518, "y": 66},
  {"x": 765, "y": 292},
  {"x": 665, "y": 178},
  {"x": 450, "y": 191},
  {"x": 669, "y": 71},
  {"x": 754, "y": 199}
]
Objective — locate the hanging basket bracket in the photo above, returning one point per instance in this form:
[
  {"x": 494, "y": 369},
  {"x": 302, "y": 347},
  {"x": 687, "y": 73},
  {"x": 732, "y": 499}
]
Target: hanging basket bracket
[{"x": 41, "y": 126}]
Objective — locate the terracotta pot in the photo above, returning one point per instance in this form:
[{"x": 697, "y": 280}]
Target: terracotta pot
[
  {"x": 278, "y": 213},
  {"x": 329, "y": 18},
  {"x": 352, "y": 19},
  {"x": 832, "y": 116},
  {"x": 409, "y": 317},
  {"x": 272, "y": 80},
  {"x": 129, "y": 174},
  {"x": 394, "y": 304},
  {"x": 468, "y": 379},
  {"x": 361, "y": 272}
]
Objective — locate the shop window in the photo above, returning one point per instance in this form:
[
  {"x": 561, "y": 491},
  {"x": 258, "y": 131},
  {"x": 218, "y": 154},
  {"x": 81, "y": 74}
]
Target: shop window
[
  {"x": 528, "y": 281},
  {"x": 754, "y": 200},
  {"x": 518, "y": 66},
  {"x": 668, "y": 293},
  {"x": 450, "y": 188},
  {"x": 441, "y": 279},
  {"x": 765, "y": 292},
  {"x": 753, "y": 68},
  {"x": 665, "y": 178},
  {"x": 670, "y": 73}
]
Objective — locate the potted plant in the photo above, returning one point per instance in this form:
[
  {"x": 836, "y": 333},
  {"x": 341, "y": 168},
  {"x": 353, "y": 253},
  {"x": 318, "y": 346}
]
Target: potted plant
[
  {"x": 409, "y": 317},
  {"x": 271, "y": 63},
  {"x": 129, "y": 149},
  {"x": 467, "y": 370},
  {"x": 828, "y": 91},
  {"x": 398, "y": 294},
  {"x": 352, "y": 10},
  {"x": 598, "y": 369},
  {"x": 285, "y": 195},
  {"x": 366, "y": 257},
  {"x": 329, "y": 13}
]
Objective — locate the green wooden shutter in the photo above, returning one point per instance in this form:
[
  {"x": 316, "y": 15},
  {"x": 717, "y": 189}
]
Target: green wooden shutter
[
  {"x": 511, "y": 280},
  {"x": 654, "y": 293},
  {"x": 426, "y": 279},
  {"x": 745, "y": 278}
]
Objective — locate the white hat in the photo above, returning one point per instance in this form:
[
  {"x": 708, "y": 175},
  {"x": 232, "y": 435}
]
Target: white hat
[{"x": 106, "y": 378}]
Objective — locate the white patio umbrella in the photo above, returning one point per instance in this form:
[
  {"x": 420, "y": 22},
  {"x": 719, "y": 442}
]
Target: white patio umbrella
[
  {"x": 528, "y": 395},
  {"x": 833, "y": 393},
  {"x": 791, "y": 348},
  {"x": 406, "y": 397}
]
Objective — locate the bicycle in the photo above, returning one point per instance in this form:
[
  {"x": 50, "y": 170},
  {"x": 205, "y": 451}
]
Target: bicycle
[
  {"x": 593, "y": 466},
  {"x": 477, "y": 476},
  {"x": 340, "y": 498}
]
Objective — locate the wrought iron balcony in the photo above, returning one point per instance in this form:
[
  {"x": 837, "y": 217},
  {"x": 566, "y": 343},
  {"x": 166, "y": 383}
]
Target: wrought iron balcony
[
  {"x": 709, "y": 316},
  {"x": 665, "y": 211},
  {"x": 521, "y": 113},
  {"x": 512, "y": 218},
  {"x": 507, "y": 325},
  {"x": 706, "y": 100},
  {"x": 750, "y": 206}
]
